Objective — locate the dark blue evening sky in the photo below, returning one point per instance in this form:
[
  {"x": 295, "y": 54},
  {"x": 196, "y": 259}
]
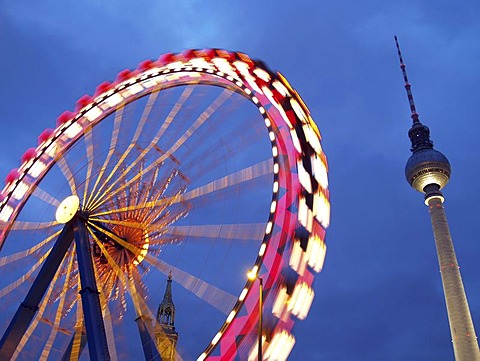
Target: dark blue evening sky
[{"x": 379, "y": 296}]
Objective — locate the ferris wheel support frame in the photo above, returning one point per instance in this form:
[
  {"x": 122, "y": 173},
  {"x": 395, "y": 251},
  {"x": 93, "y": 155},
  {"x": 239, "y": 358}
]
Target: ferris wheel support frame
[
  {"x": 92, "y": 310},
  {"x": 148, "y": 345},
  {"x": 29, "y": 307},
  {"x": 96, "y": 336}
]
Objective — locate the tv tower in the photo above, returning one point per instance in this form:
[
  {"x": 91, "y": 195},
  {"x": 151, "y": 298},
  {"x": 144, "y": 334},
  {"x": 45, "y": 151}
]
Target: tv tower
[{"x": 428, "y": 171}]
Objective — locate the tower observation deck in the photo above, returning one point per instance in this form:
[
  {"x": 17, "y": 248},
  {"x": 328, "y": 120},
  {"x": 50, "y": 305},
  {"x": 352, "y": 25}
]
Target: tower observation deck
[{"x": 428, "y": 171}]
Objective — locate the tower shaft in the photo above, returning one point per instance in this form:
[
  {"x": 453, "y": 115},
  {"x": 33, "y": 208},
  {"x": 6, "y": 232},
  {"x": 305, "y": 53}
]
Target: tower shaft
[{"x": 464, "y": 339}]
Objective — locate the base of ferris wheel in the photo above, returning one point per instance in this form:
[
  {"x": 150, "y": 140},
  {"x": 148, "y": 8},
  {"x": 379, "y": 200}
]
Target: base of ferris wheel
[{"x": 93, "y": 332}]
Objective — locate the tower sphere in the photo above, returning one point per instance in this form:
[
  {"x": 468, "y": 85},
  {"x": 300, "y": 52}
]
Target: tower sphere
[{"x": 427, "y": 166}]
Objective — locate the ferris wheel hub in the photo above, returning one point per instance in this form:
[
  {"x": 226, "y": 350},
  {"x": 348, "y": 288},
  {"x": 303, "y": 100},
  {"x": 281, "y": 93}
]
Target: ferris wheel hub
[{"x": 67, "y": 209}]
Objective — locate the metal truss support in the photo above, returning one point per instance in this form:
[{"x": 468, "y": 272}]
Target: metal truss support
[
  {"x": 28, "y": 308},
  {"x": 149, "y": 347},
  {"x": 92, "y": 311}
]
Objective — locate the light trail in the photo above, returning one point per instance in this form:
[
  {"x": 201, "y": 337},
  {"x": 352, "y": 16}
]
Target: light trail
[
  {"x": 138, "y": 131},
  {"x": 260, "y": 169},
  {"x": 19, "y": 255},
  {"x": 45, "y": 196},
  {"x": 58, "y": 315},
  {"x": 109, "y": 193},
  {"x": 111, "y": 150},
  {"x": 67, "y": 173}
]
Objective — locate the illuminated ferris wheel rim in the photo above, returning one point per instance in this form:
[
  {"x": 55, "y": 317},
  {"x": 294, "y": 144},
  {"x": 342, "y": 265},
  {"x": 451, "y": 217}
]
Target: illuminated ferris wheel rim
[{"x": 291, "y": 130}]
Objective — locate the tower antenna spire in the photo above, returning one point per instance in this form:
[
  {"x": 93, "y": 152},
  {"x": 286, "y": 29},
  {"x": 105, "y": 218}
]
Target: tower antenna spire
[{"x": 407, "y": 85}]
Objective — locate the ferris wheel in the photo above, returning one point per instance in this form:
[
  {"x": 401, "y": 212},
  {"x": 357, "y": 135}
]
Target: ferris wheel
[{"x": 199, "y": 166}]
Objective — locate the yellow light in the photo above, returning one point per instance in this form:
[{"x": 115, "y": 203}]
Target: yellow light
[
  {"x": 20, "y": 190},
  {"x": 149, "y": 83},
  {"x": 298, "y": 110},
  {"x": 304, "y": 177},
  {"x": 312, "y": 138},
  {"x": 268, "y": 93},
  {"x": 433, "y": 197},
  {"x": 274, "y": 151},
  {"x": 93, "y": 113},
  {"x": 231, "y": 316},
  {"x": 216, "y": 338},
  {"x": 224, "y": 66},
  {"x": 243, "y": 294},
  {"x": 252, "y": 274},
  {"x": 51, "y": 151},
  {"x": 301, "y": 300},
  {"x": 253, "y": 355},
  {"x": 273, "y": 207},
  {"x": 269, "y": 228},
  {"x": 174, "y": 65},
  {"x": 280, "y": 346},
  {"x": 262, "y": 74},
  {"x": 297, "y": 260},
  {"x": 67, "y": 209},
  {"x": 316, "y": 252},
  {"x": 305, "y": 215},
  {"x": 73, "y": 130},
  {"x": 275, "y": 187},
  {"x": 261, "y": 252},
  {"x": 321, "y": 207},
  {"x": 280, "y": 88},
  {"x": 320, "y": 171},
  {"x": 114, "y": 99},
  {"x": 6, "y": 213},
  {"x": 280, "y": 302},
  {"x": 135, "y": 88},
  {"x": 200, "y": 63},
  {"x": 36, "y": 169}
]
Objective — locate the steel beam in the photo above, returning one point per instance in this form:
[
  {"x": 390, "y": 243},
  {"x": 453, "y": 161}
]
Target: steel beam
[
  {"x": 92, "y": 311},
  {"x": 28, "y": 308},
  {"x": 149, "y": 347}
]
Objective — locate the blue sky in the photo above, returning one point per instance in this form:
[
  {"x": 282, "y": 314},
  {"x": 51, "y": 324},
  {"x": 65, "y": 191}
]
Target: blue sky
[{"x": 379, "y": 296}]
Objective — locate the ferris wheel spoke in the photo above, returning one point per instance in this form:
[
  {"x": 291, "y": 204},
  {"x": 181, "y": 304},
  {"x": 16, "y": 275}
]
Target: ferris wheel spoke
[
  {"x": 138, "y": 131},
  {"x": 20, "y": 255},
  {"x": 159, "y": 204},
  {"x": 109, "y": 193},
  {"x": 90, "y": 159},
  {"x": 113, "y": 146},
  {"x": 129, "y": 224},
  {"x": 30, "y": 226},
  {"x": 60, "y": 311},
  {"x": 207, "y": 157},
  {"x": 244, "y": 175},
  {"x": 45, "y": 196},
  {"x": 107, "y": 320},
  {"x": 79, "y": 338},
  {"x": 216, "y": 297},
  {"x": 38, "y": 317},
  {"x": 67, "y": 173},
  {"x": 153, "y": 144},
  {"x": 116, "y": 268},
  {"x": 25, "y": 277},
  {"x": 247, "y": 174},
  {"x": 144, "y": 318},
  {"x": 247, "y": 231}
]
